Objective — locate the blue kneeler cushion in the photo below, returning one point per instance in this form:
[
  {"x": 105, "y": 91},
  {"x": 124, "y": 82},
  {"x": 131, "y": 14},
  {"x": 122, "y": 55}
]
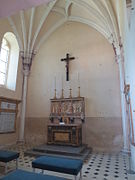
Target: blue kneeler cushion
[
  {"x": 24, "y": 175},
  {"x": 6, "y": 156},
  {"x": 58, "y": 164}
]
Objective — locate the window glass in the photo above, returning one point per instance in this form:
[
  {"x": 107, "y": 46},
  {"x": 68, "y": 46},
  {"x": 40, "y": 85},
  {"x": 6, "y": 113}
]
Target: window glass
[
  {"x": 3, "y": 66},
  {"x": 2, "y": 78},
  {"x": 4, "y": 56},
  {"x": 9, "y": 57}
]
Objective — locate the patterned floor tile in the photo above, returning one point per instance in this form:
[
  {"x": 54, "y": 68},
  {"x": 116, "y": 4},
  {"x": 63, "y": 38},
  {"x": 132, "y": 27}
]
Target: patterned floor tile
[{"x": 100, "y": 166}]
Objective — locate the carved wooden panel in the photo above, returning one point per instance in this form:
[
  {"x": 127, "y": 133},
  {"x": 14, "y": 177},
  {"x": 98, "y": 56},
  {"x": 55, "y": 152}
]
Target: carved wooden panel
[
  {"x": 61, "y": 137},
  {"x": 68, "y": 107},
  {"x": 70, "y": 134}
]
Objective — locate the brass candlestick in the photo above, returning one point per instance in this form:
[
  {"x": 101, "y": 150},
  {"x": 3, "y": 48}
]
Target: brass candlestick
[
  {"x": 79, "y": 91},
  {"x": 62, "y": 93},
  {"x": 70, "y": 93},
  {"x": 55, "y": 94}
]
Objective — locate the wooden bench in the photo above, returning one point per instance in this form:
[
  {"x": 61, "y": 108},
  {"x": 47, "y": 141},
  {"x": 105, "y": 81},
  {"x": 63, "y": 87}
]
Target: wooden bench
[
  {"x": 59, "y": 164},
  {"x": 24, "y": 175},
  {"x": 7, "y": 156}
]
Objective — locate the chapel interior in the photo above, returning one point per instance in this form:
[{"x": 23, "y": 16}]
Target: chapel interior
[{"x": 67, "y": 85}]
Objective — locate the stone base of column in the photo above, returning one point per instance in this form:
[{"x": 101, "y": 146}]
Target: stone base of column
[
  {"x": 132, "y": 157},
  {"x": 125, "y": 150},
  {"x": 21, "y": 142}
]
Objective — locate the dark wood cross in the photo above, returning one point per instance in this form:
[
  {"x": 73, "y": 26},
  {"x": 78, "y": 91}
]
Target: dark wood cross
[{"x": 67, "y": 59}]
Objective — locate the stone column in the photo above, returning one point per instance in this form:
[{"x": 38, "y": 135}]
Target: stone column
[
  {"x": 120, "y": 61},
  {"x": 27, "y": 58}
]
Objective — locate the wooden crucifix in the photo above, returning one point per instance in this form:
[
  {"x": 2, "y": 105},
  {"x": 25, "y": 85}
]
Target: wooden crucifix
[{"x": 67, "y": 59}]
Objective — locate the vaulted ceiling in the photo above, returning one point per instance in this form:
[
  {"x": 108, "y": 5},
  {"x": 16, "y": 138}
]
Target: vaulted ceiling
[{"x": 32, "y": 27}]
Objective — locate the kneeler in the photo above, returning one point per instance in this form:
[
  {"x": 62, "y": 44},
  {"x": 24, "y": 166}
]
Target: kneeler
[
  {"x": 25, "y": 175},
  {"x": 7, "y": 156},
  {"x": 59, "y": 164}
]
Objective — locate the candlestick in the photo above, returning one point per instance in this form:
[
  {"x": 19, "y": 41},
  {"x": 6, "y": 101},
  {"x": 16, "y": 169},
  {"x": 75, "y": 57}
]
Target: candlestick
[
  {"x": 70, "y": 93},
  {"x": 78, "y": 79},
  {"x": 62, "y": 82},
  {"x": 55, "y": 94},
  {"x": 55, "y": 82},
  {"x": 79, "y": 91},
  {"x": 62, "y": 93},
  {"x": 69, "y": 84}
]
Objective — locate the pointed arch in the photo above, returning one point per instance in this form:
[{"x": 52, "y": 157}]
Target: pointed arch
[
  {"x": 15, "y": 32},
  {"x": 74, "y": 19}
]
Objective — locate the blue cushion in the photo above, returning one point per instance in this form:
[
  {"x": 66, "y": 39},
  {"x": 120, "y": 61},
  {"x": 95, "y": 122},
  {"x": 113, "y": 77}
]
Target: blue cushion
[
  {"x": 24, "y": 175},
  {"x": 6, "y": 156},
  {"x": 58, "y": 164}
]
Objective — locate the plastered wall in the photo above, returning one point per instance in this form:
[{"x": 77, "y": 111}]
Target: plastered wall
[
  {"x": 98, "y": 79},
  {"x": 11, "y": 138}
]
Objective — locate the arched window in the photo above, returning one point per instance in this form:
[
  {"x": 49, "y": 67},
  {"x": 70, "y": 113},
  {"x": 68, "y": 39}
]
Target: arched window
[
  {"x": 4, "y": 59},
  {"x": 9, "y": 56}
]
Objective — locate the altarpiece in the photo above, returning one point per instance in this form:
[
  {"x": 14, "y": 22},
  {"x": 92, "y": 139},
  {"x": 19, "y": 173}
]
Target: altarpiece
[{"x": 67, "y": 115}]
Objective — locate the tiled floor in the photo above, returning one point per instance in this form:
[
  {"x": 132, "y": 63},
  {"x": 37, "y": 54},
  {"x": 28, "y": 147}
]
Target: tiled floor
[
  {"x": 107, "y": 167},
  {"x": 100, "y": 166}
]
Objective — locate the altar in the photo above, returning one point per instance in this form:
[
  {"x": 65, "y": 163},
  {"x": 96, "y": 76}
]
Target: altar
[
  {"x": 66, "y": 118},
  {"x": 67, "y": 134}
]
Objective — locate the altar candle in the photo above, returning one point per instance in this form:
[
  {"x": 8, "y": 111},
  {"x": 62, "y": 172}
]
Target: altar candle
[
  {"x": 78, "y": 80},
  {"x": 55, "y": 82},
  {"x": 69, "y": 84},
  {"x": 62, "y": 82}
]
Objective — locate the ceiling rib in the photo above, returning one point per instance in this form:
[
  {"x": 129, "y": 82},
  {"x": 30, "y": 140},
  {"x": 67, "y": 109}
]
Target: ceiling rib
[
  {"x": 23, "y": 30},
  {"x": 30, "y": 27},
  {"x": 68, "y": 4},
  {"x": 114, "y": 23},
  {"x": 50, "y": 6},
  {"x": 104, "y": 12},
  {"x": 90, "y": 10}
]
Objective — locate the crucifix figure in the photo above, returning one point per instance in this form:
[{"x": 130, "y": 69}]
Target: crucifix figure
[{"x": 67, "y": 59}]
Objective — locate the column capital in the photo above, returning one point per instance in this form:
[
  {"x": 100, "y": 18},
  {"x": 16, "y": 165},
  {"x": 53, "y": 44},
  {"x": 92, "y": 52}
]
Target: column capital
[
  {"x": 119, "y": 55},
  {"x": 118, "y": 58},
  {"x": 118, "y": 50},
  {"x": 27, "y": 58},
  {"x": 26, "y": 71}
]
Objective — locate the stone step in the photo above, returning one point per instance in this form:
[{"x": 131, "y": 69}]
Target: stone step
[
  {"x": 84, "y": 156},
  {"x": 59, "y": 149},
  {"x": 37, "y": 154}
]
